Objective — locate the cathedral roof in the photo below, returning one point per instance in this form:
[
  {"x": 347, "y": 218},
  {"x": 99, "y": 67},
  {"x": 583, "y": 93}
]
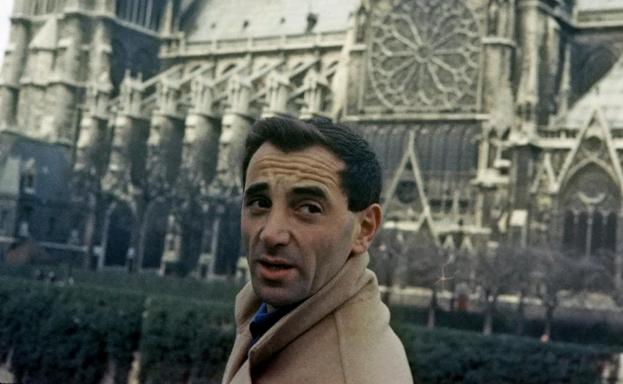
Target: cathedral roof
[
  {"x": 599, "y": 4},
  {"x": 232, "y": 19},
  {"x": 389, "y": 146},
  {"x": 606, "y": 94}
]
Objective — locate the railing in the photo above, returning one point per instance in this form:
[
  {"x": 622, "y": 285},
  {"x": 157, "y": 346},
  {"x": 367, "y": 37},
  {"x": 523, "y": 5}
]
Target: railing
[
  {"x": 332, "y": 38},
  {"x": 151, "y": 82},
  {"x": 557, "y": 134},
  {"x": 596, "y": 17},
  {"x": 183, "y": 83}
]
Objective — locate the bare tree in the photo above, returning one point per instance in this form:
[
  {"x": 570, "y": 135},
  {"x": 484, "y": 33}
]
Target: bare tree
[
  {"x": 521, "y": 281},
  {"x": 428, "y": 266},
  {"x": 563, "y": 274},
  {"x": 611, "y": 262},
  {"x": 494, "y": 273},
  {"x": 387, "y": 258},
  {"x": 413, "y": 259}
]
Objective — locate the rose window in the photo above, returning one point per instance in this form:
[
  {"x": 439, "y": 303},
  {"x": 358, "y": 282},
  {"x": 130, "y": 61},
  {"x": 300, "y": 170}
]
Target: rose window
[{"x": 425, "y": 56}]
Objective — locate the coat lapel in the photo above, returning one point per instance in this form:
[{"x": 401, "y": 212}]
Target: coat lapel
[
  {"x": 237, "y": 365},
  {"x": 350, "y": 280},
  {"x": 243, "y": 376}
]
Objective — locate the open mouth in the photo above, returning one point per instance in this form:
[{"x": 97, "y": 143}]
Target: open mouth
[{"x": 274, "y": 266}]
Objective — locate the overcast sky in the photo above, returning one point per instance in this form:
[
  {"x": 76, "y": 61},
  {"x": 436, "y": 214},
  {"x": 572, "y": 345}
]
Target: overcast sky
[{"x": 5, "y": 12}]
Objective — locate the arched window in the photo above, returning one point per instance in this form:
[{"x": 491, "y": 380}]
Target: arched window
[
  {"x": 589, "y": 232},
  {"x": 582, "y": 230},
  {"x": 568, "y": 230},
  {"x": 610, "y": 232},
  {"x": 591, "y": 200},
  {"x": 597, "y": 232}
]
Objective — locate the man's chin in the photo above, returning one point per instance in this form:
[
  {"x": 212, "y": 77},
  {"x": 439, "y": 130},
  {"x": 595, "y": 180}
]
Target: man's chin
[{"x": 277, "y": 296}]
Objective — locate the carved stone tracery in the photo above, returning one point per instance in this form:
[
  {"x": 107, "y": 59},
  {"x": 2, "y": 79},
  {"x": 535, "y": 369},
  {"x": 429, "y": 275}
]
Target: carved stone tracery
[{"x": 425, "y": 56}]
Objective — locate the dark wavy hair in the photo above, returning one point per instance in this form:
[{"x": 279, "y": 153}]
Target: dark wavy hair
[{"x": 361, "y": 178}]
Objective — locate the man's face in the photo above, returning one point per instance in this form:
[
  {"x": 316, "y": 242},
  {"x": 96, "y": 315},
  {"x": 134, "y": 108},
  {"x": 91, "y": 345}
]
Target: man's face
[{"x": 295, "y": 222}]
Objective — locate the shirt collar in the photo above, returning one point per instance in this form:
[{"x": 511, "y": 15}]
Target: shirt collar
[{"x": 263, "y": 320}]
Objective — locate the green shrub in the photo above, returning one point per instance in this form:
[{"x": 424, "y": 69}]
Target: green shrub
[
  {"x": 505, "y": 322},
  {"x": 67, "y": 334},
  {"x": 146, "y": 283},
  {"x": 183, "y": 339},
  {"x": 448, "y": 356}
]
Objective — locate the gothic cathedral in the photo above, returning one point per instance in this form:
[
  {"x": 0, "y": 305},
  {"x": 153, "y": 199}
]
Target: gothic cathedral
[{"x": 122, "y": 122}]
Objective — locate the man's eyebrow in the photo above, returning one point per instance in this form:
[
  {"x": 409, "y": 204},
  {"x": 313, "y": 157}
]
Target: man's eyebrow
[
  {"x": 256, "y": 188},
  {"x": 312, "y": 191}
]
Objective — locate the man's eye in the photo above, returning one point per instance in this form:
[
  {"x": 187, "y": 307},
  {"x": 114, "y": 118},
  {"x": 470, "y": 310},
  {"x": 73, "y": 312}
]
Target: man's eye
[
  {"x": 258, "y": 203},
  {"x": 310, "y": 208}
]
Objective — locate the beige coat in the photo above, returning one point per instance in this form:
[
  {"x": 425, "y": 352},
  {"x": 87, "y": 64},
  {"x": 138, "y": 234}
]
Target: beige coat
[{"x": 339, "y": 335}]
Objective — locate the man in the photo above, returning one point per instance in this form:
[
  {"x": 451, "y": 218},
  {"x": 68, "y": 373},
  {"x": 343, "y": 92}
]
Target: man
[{"x": 312, "y": 313}]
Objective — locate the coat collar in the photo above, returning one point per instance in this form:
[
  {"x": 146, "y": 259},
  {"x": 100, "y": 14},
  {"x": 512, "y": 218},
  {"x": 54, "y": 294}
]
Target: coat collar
[{"x": 352, "y": 278}]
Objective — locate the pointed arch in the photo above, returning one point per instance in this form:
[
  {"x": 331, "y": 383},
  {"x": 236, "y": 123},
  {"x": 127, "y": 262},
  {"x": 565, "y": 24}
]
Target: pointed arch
[
  {"x": 407, "y": 195},
  {"x": 590, "y": 202},
  {"x": 120, "y": 219},
  {"x": 595, "y": 127}
]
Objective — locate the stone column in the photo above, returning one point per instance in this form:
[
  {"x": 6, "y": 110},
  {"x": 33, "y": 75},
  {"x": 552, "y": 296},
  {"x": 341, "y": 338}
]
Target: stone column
[
  {"x": 278, "y": 90},
  {"x": 166, "y": 133},
  {"x": 201, "y": 143},
  {"x": 60, "y": 119},
  {"x": 163, "y": 163},
  {"x": 201, "y": 137},
  {"x": 125, "y": 174},
  {"x": 235, "y": 127},
  {"x": 498, "y": 102},
  {"x": 101, "y": 49},
  {"x": 33, "y": 108},
  {"x": 226, "y": 188},
  {"x": 316, "y": 90},
  {"x": 528, "y": 92},
  {"x": 92, "y": 144},
  {"x": 91, "y": 151},
  {"x": 13, "y": 67},
  {"x": 565, "y": 83},
  {"x": 499, "y": 45},
  {"x": 166, "y": 25}
]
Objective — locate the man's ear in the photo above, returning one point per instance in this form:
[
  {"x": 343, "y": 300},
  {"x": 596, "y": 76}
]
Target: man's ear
[{"x": 369, "y": 223}]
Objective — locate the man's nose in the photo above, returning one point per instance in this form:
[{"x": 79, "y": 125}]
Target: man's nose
[{"x": 275, "y": 231}]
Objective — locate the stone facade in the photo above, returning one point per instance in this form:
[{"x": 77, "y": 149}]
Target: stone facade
[{"x": 495, "y": 120}]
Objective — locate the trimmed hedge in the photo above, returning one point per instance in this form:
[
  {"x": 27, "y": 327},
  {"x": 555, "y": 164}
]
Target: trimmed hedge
[
  {"x": 67, "y": 334},
  {"x": 147, "y": 283},
  {"x": 505, "y": 322},
  {"x": 449, "y": 356},
  {"x": 183, "y": 340},
  {"x": 71, "y": 334}
]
